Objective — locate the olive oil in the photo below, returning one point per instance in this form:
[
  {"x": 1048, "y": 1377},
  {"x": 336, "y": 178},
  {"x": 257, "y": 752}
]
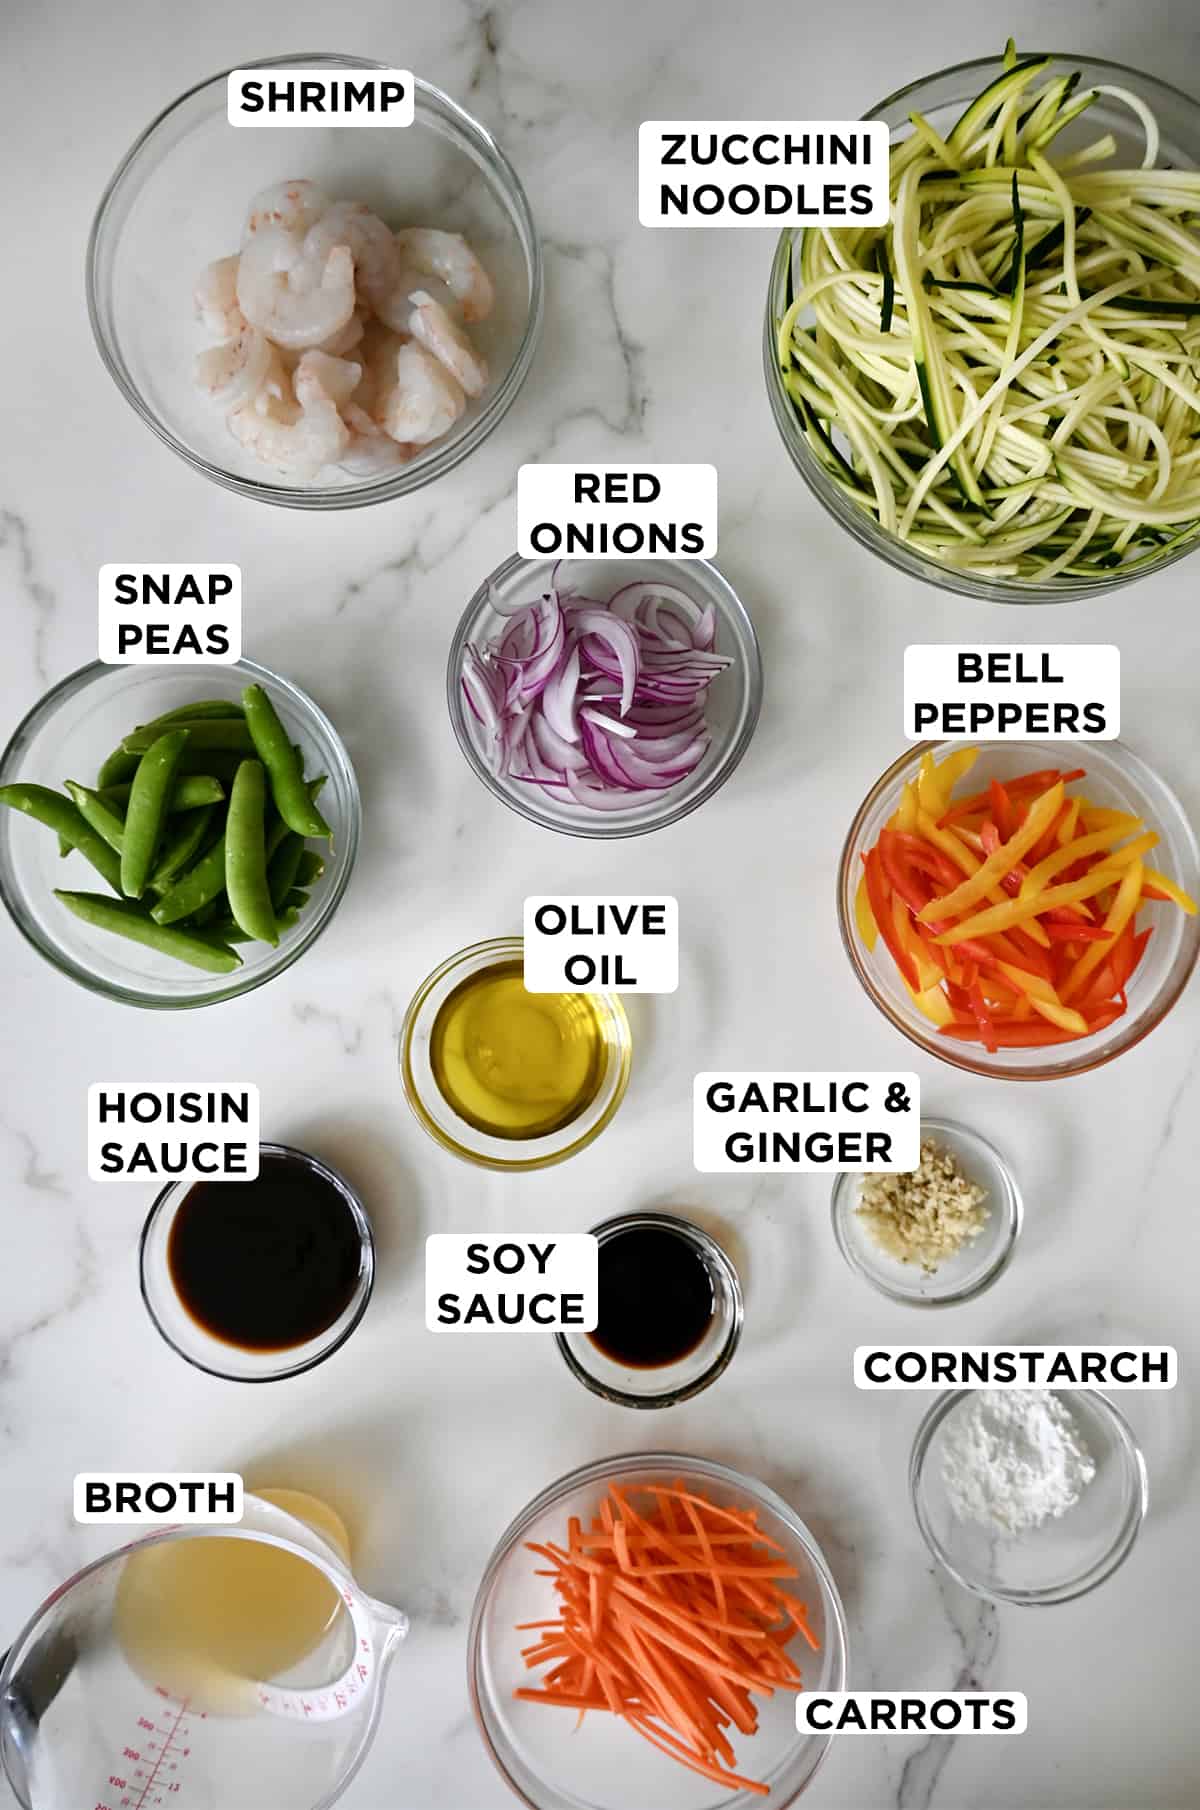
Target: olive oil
[{"x": 514, "y": 1064}]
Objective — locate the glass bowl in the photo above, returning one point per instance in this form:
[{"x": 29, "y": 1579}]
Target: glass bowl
[
  {"x": 975, "y": 1265},
  {"x": 66, "y": 736},
  {"x": 1117, "y": 779},
  {"x": 666, "y": 1384},
  {"x": 1061, "y": 1559},
  {"x": 604, "y": 1765},
  {"x": 734, "y": 697},
  {"x": 215, "y": 1356},
  {"x": 454, "y": 1133},
  {"x": 177, "y": 202},
  {"x": 941, "y": 98}
]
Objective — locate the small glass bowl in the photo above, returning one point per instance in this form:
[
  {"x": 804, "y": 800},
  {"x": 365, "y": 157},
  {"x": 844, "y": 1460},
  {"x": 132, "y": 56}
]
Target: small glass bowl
[
  {"x": 972, "y": 1268},
  {"x": 176, "y": 202},
  {"x": 552, "y": 1765},
  {"x": 214, "y": 1356},
  {"x": 66, "y": 736},
  {"x": 667, "y": 1384},
  {"x": 1060, "y": 1560},
  {"x": 1116, "y": 779},
  {"x": 941, "y": 98},
  {"x": 734, "y": 697},
  {"x": 439, "y": 1118}
]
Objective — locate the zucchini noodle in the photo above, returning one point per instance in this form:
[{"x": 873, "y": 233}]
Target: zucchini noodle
[{"x": 1007, "y": 376}]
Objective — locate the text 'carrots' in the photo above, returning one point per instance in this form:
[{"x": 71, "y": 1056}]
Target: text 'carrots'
[{"x": 671, "y": 1617}]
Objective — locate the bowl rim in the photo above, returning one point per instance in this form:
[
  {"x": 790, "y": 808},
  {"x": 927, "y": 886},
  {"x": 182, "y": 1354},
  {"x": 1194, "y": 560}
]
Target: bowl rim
[
  {"x": 841, "y": 1206},
  {"x": 362, "y": 1295},
  {"x": 407, "y": 479},
  {"x": 499, "y": 948},
  {"x": 894, "y": 552},
  {"x": 712, "y": 1252},
  {"x": 944, "y": 1048},
  {"x": 604, "y": 828},
  {"x": 1048, "y": 1595},
  {"x": 289, "y": 950},
  {"x": 618, "y": 1465}
]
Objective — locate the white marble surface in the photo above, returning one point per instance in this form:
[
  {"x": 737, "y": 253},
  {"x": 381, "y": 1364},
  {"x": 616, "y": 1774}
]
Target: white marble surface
[{"x": 651, "y": 349}]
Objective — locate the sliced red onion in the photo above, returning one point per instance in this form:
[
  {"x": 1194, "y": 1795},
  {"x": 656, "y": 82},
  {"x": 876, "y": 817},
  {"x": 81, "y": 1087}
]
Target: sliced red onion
[{"x": 558, "y": 699}]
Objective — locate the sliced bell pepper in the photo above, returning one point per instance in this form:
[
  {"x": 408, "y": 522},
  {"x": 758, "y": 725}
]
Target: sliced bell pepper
[
  {"x": 863, "y": 915},
  {"x": 1002, "y": 810},
  {"x": 1158, "y": 886},
  {"x": 1043, "y": 812},
  {"x": 881, "y": 911},
  {"x": 1118, "y": 915}
]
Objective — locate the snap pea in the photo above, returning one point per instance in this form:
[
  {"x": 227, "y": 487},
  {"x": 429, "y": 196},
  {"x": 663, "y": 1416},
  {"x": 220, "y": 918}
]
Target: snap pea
[
  {"x": 212, "y": 909},
  {"x": 180, "y": 849},
  {"x": 59, "y": 814},
  {"x": 148, "y": 809},
  {"x": 123, "y": 917},
  {"x": 284, "y": 866},
  {"x": 225, "y": 735},
  {"x": 246, "y": 854},
  {"x": 311, "y": 868},
  {"x": 292, "y": 797},
  {"x": 120, "y": 765},
  {"x": 190, "y": 713},
  {"x": 192, "y": 890},
  {"x": 228, "y": 930},
  {"x": 187, "y": 794},
  {"x": 98, "y": 813}
]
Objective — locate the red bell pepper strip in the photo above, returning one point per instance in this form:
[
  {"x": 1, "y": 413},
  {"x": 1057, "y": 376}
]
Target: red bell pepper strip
[
  {"x": 916, "y": 897},
  {"x": 877, "y": 893},
  {"x": 1001, "y": 809},
  {"x": 982, "y": 1016}
]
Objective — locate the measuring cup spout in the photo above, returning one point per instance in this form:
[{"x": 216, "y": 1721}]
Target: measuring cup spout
[{"x": 391, "y": 1626}]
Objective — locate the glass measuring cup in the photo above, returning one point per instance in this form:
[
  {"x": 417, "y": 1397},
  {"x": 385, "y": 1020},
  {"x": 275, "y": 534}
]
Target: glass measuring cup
[{"x": 82, "y": 1727}]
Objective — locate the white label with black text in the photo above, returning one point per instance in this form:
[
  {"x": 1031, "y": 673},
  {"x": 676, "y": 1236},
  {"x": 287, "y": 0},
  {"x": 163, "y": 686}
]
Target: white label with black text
[
  {"x": 320, "y": 97},
  {"x": 1015, "y": 1367},
  {"x": 579, "y": 945},
  {"x": 763, "y": 172},
  {"x": 185, "y": 1131},
  {"x": 104, "y": 1498},
  {"x": 617, "y": 511},
  {"x": 539, "y": 1279},
  {"x": 151, "y": 615},
  {"x": 755, "y": 1122},
  {"x": 912, "y": 1712},
  {"x": 1063, "y": 693}
]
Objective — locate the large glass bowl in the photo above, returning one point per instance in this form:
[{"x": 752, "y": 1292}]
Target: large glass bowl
[
  {"x": 734, "y": 697},
  {"x": 66, "y": 736},
  {"x": 1115, "y": 778},
  {"x": 604, "y": 1765},
  {"x": 941, "y": 98},
  {"x": 177, "y": 202}
]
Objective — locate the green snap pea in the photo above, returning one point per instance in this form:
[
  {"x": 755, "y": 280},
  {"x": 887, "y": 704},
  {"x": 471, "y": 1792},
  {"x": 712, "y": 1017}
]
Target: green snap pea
[
  {"x": 125, "y": 918},
  {"x": 187, "y": 794},
  {"x": 180, "y": 848},
  {"x": 284, "y": 866},
  {"x": 201, "y": 883},
  {"x": 191, "y": 713},
  {"x": 97, "y": 812},
  {"x": 120, "y": 765},
  {"x": 292, "y": 797},
  {"x": 311, "y": 868},
  {"x": 59, "y": 814},
  {"x": 227, "y": 736},
  {"x": 246, "y": 854},
  {"x": 213, "y": 909},
  {"x": 147, "y": 811},
  {"x": 228, "y": 930}
]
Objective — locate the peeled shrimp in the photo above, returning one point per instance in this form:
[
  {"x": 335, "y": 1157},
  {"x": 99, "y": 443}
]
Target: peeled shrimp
[
  {"x": 436, "y": 329},
  {"x": 235, "y": 372},
  {"x": 419, "y": 400},
  {"x": 216, "y": 298},
  {"x": 338, "y": 377},
  {"x": 297, "y": 438},
  {"x": 293, "y": 206},
  {"x": 288, "y": 301},
  {"x": 448, "y": 257},
  {"x": 376, "y": 261},
  {"x": 346, "y": 338},
  {"x": 370, "y": 450}
]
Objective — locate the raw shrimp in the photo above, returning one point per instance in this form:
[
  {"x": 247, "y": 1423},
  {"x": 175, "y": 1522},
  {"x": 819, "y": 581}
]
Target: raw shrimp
[
  {"x": 338, "y": 377},
  {"x": 296, "y": 438},
  {"x": 216, "y": 298},
  {"x": 376, "y": 354},
  {"x": 418, "y": 400},
  {"x": 370, "y": 450},
  {"x": 448, "y": 257},
  {"x": 346, "y": 338},
  {"x": 274, "y": 294},
  {"x": 293, "y": 206},
  {"x": 440, "y": 333},
  {"x": 376, "y": 261},
  {"x": 235, "y": 372}
]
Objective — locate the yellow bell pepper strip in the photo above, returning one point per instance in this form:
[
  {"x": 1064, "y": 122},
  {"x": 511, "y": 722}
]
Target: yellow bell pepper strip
[
  {"x": 1042, "y": 813},
  {"x": 950, "y": 844},
  {"x": 1157, "y": 885},
  {"x": 863, "y": 915},
  {"x": 1022, "y": 911},
  {"x": 1096, "y": 817},
  {"x": 933, "y": 1004},
  {"x": 937, "y": 779},
  {"x": 1119, "y": 913},
  {"x": 1067, "y": 828},
  {"x": 1098, "y": 843}
]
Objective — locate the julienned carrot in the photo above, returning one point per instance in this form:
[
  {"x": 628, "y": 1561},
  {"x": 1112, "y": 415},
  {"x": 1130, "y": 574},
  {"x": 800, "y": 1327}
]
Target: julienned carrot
[{"x": 672, "y": 1617}]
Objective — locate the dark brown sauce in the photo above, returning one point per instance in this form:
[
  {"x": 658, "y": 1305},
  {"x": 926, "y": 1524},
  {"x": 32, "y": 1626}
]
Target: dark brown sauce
[
  {"x": 266, "y": 1264},
  {"x": 656, "y": 1298}
]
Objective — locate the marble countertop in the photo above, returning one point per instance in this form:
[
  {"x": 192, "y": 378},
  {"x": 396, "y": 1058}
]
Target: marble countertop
[{"x": 651, "y": 350}]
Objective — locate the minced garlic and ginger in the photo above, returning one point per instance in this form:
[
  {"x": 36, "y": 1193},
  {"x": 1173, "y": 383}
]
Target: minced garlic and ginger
[{"x": 927, "y": 1215}]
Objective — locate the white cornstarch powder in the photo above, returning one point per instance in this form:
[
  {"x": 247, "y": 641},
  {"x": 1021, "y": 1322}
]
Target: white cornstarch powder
[{"x": 1013, "y": 1458}]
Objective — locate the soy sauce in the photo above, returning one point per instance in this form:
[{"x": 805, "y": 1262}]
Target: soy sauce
[
  {"x": 266, "y": 1264},
  {"x": 656, "y": 1298}
]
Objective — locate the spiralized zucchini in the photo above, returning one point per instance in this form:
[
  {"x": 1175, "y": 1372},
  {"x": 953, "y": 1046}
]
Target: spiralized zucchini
[{"x": 1007, "y": 376}]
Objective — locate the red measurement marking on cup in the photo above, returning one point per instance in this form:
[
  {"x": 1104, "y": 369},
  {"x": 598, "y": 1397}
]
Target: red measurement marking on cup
[{"x": 145, "y": 1776}]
